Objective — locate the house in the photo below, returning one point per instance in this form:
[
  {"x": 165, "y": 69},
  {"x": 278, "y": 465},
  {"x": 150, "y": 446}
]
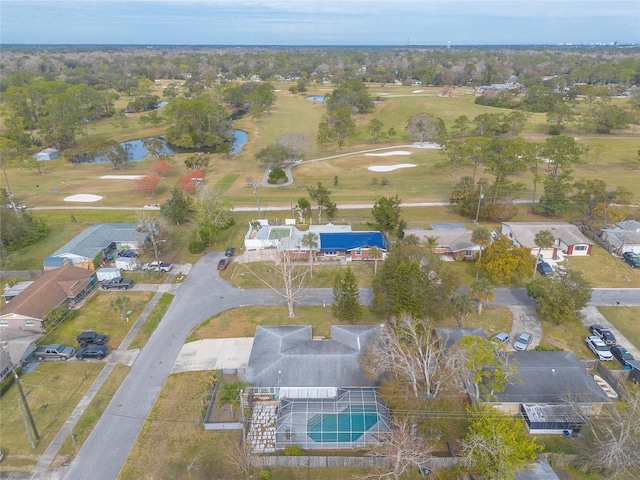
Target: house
[
  {"x": 312, "y": 391},
  {"x": 624, "y": 237},
  {"x": 47, "y": 154},
  {"x": 17, "y": 347},
  {"x": 350, "y": 245},
  {"x": 451, "y": 240},
  {"x": 105, "y": 238},
  {"x": 569, "y": 240},
  {"x": 542, "y": 388},
  {"x": 58, "y": 287}
]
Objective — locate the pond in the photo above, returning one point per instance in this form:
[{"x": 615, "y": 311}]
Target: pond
[
  {"x": 317, "y": 98},
  {"x": 138, "y": 152}
]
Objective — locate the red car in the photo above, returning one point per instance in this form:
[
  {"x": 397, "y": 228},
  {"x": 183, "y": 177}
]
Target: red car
[{"x": 224, "y": 263}]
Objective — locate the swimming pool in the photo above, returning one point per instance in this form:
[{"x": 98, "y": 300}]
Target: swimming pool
[{"x": 346, "y": 426}]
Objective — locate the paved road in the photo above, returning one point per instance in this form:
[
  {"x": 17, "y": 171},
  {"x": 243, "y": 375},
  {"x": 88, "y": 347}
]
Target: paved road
[{"x": 202, "y": 295}]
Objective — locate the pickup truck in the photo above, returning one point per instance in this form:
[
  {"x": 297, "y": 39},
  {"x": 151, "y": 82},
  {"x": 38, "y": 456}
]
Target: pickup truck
[
  {"x": 117, "y": 282},
  {"x": 632, "y": 259},
  {"x": 53, "y": 351},
  {"x": 158, "y": 266}
]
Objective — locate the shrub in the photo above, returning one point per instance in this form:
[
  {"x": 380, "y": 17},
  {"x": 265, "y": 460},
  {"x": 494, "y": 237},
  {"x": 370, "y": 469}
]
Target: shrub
[
  {"x": 197, "y": 246},
  {"x": 294, "y": 451},
  {"x": 265, "y": 475}
]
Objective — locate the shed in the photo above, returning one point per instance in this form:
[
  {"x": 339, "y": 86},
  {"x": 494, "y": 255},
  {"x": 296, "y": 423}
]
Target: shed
[{"x": 47, "y": 154}]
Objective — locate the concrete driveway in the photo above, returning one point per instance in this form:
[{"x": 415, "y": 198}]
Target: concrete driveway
[
  {"x": 525, "y": 319},
  {"x": 214, "y": 354},
  {"x": 591, "y": 316}
]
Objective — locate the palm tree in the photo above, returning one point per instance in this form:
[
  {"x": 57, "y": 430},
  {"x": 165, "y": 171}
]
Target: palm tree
[
  {"x": 310, "y": 240},
  {"x": 376, "y": 254},
  {"x": 432, "y": 242},
  {"x": 482, "y": 289},
  {"x": 481, "y": 236},
  {"x": 122, "y": 304},
  {"x": 463, "y": 305},
  {"x": 543, "y": 239}
]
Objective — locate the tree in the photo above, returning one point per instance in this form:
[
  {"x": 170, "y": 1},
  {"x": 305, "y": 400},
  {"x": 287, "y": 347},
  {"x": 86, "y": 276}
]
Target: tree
[
  {"x": 336, "y": 126},
  {"x": 320, "y": 195},
  {"x": 275, "y": 154},
  {"x": 542, "y": 239},
  {"x": 179, "y": 209},
  {"x": 464, "y": 306},
  {"x": 482, "y": 290},
  {"x": 155, "y": 229},
  {"x": 113, "y": 151},
  {"x": 122, "y": 304},
  {"x": 352, "y": 96},
  {"x": 374, "y": 128},
  {"x": 297, "y": 144},
  {"x": 213, "y": 215},
  {"x": 613, "y": 444},
  {"x": 600, "y": 203},
  {"x": 160, "y": 167},
  {"x": 460, "y": 126},
  {"x": 481, "y": 236},
  {"x": 424, "y": 126},
  {"x": 387, "y": 211},
  {"x": 497, "y": 444},
  {"x": 407, "y": 349},
  {"x": 287, "y": 278},
  {"x": 376, "y": 254},
  {"x": 229, "y": 394},
  {"x": 346, "y": 297},
  {"x": 146, "y": 184},
  {"x": 303, "y": 207},
  {"x": 606, "y": 118},
  {"x": 310, "y": 240},
  {"x": 503, "y": 261},
  {"x": 197, "y": 162},
  {"x": 559, "y": 299},
  {"x": 404, "y": 448},
  {"x": 562, "y": 153},
  {"x": 485, "y": 366}
]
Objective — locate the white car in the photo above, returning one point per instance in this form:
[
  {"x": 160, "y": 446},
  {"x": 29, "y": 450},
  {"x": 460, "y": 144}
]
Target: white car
[
  {"x": 598, "y": 347},
  {"x": 158, "y": 266}
]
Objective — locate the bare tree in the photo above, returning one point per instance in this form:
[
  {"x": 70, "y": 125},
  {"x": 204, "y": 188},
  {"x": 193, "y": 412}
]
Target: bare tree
[
  {"x": 408, "y": 348},
  {"x": 291, "y": 279},
  {"x": 614, "y": 443},
  {"x": 403, "y": 448},
  {"x": 239, "y": 455},
  {"x": 155, "y": 228}
]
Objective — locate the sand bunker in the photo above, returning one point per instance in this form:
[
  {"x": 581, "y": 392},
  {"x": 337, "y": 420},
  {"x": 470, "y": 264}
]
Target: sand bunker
[
  {"x": 83, "y": 197},
  {"x": 390, "y": 168},
  {"x": 120, "y": 177},
  {"x": 386, "y": 154},
  {"x": 417, "y": 91},
  {"x": 427, "y": 145}
]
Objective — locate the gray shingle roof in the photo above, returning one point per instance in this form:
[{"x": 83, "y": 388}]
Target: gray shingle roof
[
  {"x": 525, "y": 232},
  {"x": 550, "y": 377},
  {"x": 97, "y": 237},
  {"x": 288, "y": 356}
]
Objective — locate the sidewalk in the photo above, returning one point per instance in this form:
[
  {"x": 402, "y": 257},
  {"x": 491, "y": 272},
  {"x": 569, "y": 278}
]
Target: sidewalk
[{"x": 121, "y": 355}]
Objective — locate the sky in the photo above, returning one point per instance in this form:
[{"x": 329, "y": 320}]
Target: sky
[{"x": 311, "y": 22}]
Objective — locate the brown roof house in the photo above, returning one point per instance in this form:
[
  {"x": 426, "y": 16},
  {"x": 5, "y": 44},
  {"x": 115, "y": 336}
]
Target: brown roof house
[
  {"x": 451, "y": 240},
  {"x": 55, "y": 288},
  {"x": 569, "y": 240}
]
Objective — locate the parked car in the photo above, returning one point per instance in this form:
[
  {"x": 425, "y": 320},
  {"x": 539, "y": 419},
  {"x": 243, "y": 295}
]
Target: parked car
[
  {"x": 622, "y": 355},
  {"x": 91, "y": 338},
  {"x": 523, "y": 341},
  {"x": 604, "y": 333},
  {"x": 92, "y": 351},
  {"x": 229, "y": 252},
  {"x": 544, "y": 268},
  {"x": 118, "y": 283},
  {"x": 501, "y": 337},
  {"x": 158, "y": 266},
  {"x": 55, "y": 350},
  {"x": 633, "y": 259},
  {"x": 224, "y": 263},
  {"x": 128, "y": 253},
  {"x": 597, "y": 346}
]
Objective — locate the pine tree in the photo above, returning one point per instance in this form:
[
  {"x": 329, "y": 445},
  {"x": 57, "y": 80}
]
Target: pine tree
[{"x": 346, "y": 297}]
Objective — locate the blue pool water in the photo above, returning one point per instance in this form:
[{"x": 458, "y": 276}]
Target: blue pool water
[
  {"x": 346, "y": 426},
  {"x": 317, "y": 98}
]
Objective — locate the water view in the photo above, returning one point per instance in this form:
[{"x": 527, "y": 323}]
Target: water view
[
  {"x": 317, "y": 98},
  {"x": 138, "y": 152}
]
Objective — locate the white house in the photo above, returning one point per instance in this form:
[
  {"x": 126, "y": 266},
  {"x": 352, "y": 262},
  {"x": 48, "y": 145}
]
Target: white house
[{"x": 569, "y": 241}]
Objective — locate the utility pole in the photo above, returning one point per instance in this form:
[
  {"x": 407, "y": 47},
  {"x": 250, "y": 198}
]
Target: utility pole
[
  {"x": 475, "y": 222},
  {"x": 255, "y": 192},
  {"x": 32, "y": 431}
]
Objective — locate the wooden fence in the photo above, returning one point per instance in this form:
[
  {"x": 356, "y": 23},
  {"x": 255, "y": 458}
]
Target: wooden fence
[
  {"x": 358, "y": 462},
  {"x": 21, "y": 274}
]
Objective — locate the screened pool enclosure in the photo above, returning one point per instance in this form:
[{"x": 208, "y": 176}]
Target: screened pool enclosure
[{"x": 356, "y": 417}]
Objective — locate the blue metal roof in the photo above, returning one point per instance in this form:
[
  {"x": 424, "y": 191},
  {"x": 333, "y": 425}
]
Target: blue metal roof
[{"x": 338, "y": 241}]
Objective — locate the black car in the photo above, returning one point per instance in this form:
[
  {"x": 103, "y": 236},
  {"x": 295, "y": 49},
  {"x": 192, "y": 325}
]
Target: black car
[
  {"x": 127, "y": 254},
  {"x": 117, "y": 283},
  {"x": 229, "y": 252},
  {"x": 545, "y": 269},
  {"x": 604, "y": 333},
  {"x": 622, "y": 355},
  {"x": 92, "y": 351},
  {"x": 91, "y": 338}
]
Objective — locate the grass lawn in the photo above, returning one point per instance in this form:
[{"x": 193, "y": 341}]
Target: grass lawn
[
  {"x": 91, "y": 416},
  {"x": 625, "y": 319},
  {"x": 143, "y": 335},
  {"x": 97, "y": 314},
  {"x": 604, "y": 270},
  {"x": 53, "y": 390},
  {"x": 570, "y": 337}
]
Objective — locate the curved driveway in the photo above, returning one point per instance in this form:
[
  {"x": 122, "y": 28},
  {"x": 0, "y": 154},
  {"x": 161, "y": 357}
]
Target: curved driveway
[{"x": 202, "y": 295}]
